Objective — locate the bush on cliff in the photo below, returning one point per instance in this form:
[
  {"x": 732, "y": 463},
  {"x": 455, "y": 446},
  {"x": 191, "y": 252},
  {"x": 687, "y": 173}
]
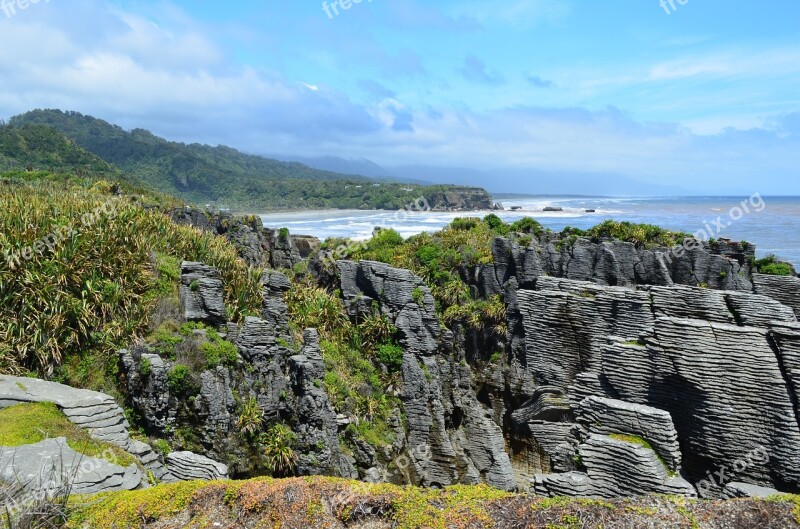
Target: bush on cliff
[
  {"x": 772, "y": 267},
  {"x": 81, "y": 276},
  {"x": 354, "y": 379}
]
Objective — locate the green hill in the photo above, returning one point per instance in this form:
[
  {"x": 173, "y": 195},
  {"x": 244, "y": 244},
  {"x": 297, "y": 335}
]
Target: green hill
[
  {"x": 224, "y": 177},
  {"x": 41, "y": 147}
]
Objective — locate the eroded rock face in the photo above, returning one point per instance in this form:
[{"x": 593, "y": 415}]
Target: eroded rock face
[
  {"x": 451, "y": 437},
  {"x": 724, "y": 265},
  {"x": 625, "y": 371},
  {"x": 203, "y": 414},
  {"x": 719, "y": 364},
  {"x": 257, "y": 245},
  {"x": 186, "y": 466},
  {"x": 201, "y": 294}
]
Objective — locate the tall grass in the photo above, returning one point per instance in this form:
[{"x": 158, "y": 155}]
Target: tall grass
[{"x": 93, "y": 291}]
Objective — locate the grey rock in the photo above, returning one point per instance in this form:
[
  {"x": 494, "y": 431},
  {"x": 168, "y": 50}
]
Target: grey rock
[
  {"x": 186, "y": 466},
  {"x": 95, "y": 412},
  {"x": 284, "y": 254},
  {"x": 201, "y": 294},
  {"x": 783, "y": 289},
  {"x": 317, "y": 428},
  {"x": 746, "y": 490},
  {"x": 51, "y": 466},
  {"x": 607, "y": 416}
]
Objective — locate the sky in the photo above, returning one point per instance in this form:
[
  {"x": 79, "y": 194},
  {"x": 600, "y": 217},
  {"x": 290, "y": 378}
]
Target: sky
[{"x": 704, "y": 96}]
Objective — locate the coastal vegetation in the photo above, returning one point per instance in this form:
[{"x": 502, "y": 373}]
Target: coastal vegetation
[
  {"x": 86, "y": 269},
  {"x": 330, "y": 502}
]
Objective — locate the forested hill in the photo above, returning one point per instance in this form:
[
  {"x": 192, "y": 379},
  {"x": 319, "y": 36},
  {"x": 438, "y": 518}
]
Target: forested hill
[
  {"x": 40, "y": 147},
  {"x": 225, "y": 177}
]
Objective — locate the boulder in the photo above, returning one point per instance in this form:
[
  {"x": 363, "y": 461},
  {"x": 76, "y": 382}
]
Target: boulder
[{"x": 186, "y": 466}]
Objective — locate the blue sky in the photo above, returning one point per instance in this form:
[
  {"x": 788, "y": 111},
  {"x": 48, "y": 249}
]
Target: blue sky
[{"x": 706, "y": 98}]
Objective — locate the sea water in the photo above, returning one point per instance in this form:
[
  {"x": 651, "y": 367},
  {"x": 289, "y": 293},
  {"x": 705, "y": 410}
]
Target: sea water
[{"x": 772, "y": 223}]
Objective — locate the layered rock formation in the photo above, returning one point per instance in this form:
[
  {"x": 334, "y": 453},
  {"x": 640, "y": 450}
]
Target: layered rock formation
[
  {"x": 258, "y": 246},
  {"x": 51, "y": 465},
  {"x": 625, "y": 371},
  {"x": 202, "y": 414}
]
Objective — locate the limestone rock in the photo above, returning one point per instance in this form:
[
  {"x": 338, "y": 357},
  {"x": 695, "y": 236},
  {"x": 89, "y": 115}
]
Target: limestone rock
[
  {"x": 186, "y": 466},
  {"x": 608, "y": 416},
  {"x": 784, "y": 289},
  {"x": 745, "y": 490},
  {"x": 201, "y": 294},
  {"x": 50, "y": 465},
  {"x": 95, "y": 412}
]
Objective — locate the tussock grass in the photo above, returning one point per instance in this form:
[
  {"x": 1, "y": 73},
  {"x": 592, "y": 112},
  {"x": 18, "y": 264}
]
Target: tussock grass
[{"x": 95, "y": 288}]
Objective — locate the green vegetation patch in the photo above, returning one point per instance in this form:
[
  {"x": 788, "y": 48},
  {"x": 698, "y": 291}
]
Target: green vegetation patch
[
  {"x": 771, "y": 266},
  {"x": 353, "y": 353},
  {"x": 82, "y": 272},
  {"x": 26, "y": 424}
]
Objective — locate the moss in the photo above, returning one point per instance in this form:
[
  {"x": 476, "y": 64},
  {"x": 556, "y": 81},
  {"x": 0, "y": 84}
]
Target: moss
[
  {"x": 26, "y": 424},
  {"x": 635, "y": 343},
  {"x": 133, "y": 508},
  {"x": 635, "y": 439}
]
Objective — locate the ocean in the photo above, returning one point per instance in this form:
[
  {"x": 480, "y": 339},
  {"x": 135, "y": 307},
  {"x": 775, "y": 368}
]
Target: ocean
[{"x": 772, "y": 223}]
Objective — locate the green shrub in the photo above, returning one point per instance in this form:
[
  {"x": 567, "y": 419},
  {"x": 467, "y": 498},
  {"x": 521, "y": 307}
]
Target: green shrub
[
  {"x": 251, "y": 417},
  {"x": 145, "y": 368},
  {"x": 465, "y": 223},
  {"x": 279, "y": 450},
  {"x": 418, "y": 295},
  {"x": 390, "y": 355},
  {"x": 496, "y": 224},
  {"x": 161, "y": 446},
  {"x": 527, "y": 225},
  {"x": 283, "y": 234},
  {"x": 219, "y": 352},
  {"x": 771, "y": 266},
  {"x": 180, "y": 381},
  {"x": 91, "y": 292}
]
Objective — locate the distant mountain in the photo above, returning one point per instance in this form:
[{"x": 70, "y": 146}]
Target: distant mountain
[
  {"x": 222, "y": 176},
  {"x": 500, "y": 181},
  {"x": 538, "y": 182}
]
